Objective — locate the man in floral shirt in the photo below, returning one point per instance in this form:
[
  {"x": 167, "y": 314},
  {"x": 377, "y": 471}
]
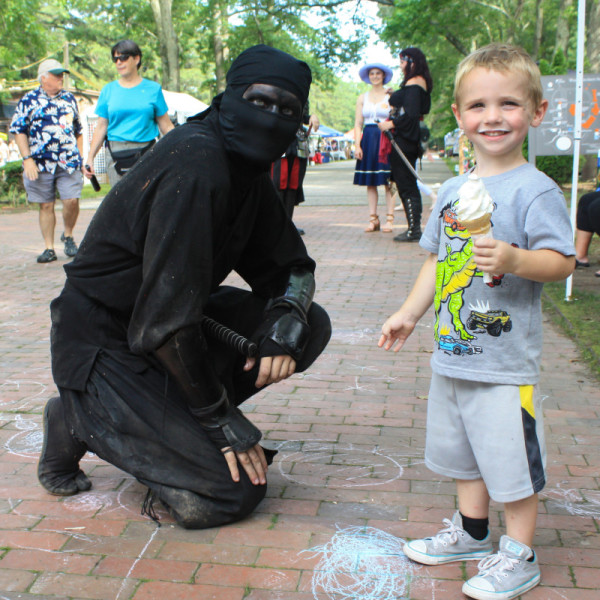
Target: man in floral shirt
[{"x": 47, "y": 130}]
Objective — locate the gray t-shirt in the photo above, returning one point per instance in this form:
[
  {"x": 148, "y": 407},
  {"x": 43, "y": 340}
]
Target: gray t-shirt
[{"x": 493, "y": 332}]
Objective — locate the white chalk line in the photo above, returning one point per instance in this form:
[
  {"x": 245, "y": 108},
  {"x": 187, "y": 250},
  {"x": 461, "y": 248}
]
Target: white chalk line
[
  {"x": 11, "y": 385},
  {"x": 362, "y": 563},
  {"x": 136, "y": 561},
  {"x": 358, "y": 467},
  {"x": 577, "y": 502},
  {"x": 29, "y": 436},
  {"x": 102, "y": 502},
  {"x": 361, "y": 388}
]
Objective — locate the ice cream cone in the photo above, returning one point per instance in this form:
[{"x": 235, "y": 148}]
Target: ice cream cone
[{"x": 479, "y": 226}]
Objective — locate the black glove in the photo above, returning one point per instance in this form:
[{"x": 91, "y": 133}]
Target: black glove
[
  {"x": 229, "y": 427},
  {"x": 185, "y": 358}
]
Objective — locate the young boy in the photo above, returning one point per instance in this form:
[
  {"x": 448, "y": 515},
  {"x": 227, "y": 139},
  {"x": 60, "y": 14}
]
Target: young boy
[{"x": 484, "y": 420}]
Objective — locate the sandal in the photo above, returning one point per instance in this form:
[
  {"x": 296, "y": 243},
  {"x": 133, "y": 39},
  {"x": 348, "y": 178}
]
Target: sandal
[
  {"x": 389, "y": 224},
  {"x": 373, "y": 224}
]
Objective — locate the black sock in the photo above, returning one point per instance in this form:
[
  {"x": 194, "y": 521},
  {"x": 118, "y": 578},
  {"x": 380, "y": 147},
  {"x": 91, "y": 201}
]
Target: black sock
[{"x": 476, "y": 528}]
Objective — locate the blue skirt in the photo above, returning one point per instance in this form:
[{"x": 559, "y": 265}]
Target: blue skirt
[{"x": 369, "y": 171}]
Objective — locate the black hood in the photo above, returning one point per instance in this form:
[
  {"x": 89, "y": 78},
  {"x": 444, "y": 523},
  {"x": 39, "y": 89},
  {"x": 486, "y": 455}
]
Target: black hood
[{"x": 249, "y": 131}]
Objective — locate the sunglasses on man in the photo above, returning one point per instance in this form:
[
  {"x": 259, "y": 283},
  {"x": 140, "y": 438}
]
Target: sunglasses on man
[{"x": 121, "y": 57}]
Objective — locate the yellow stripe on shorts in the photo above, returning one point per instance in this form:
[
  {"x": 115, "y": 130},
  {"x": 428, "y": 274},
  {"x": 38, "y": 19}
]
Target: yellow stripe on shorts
[{"x": 526, "y": 392}]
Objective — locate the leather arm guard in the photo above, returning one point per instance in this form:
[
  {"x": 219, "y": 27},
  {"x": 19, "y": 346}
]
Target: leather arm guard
[
  {"x": 184, "y": 356},
  {"x": 298, "y": 294},
  {"x": 286, "y": 316}
]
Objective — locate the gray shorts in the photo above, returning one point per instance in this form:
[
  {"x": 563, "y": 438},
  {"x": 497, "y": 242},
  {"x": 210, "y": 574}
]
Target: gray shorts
[
  {"x": 43, "y": 189},
  {"x": 487, "y": 431}
]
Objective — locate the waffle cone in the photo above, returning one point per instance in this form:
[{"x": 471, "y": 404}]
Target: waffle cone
[{"x": 479, "y": 226}]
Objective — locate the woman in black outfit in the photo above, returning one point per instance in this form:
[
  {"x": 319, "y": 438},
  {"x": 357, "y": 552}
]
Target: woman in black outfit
[{"x": 409, "y": 104}]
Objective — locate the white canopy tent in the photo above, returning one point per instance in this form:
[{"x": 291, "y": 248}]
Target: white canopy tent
[{"x": 181, "y": 106}]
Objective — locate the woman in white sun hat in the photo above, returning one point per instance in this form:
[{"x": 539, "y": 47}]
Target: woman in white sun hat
[{"x": 371, "y": 108}]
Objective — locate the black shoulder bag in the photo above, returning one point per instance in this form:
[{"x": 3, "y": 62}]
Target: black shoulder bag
[{"x": 125, "y": 159}]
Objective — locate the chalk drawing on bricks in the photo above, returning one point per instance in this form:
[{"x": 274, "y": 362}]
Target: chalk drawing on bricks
[
  {"x": 577, "y": 502},
  {"x": 317, "y": 463},
  {"x": 362, "y": 563}
]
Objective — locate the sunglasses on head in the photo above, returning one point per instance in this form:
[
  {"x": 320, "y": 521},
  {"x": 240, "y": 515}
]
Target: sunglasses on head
[
  {"x": 121, "y": 57},
  {"x": 405, "y": 58}
]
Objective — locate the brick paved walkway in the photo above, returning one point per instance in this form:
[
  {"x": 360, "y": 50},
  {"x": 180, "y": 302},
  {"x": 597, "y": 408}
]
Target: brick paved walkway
[{"x": 350, "y": 434}]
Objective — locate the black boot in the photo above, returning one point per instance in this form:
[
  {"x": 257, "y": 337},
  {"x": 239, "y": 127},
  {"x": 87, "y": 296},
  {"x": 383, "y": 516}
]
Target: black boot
[
  {"x": 58, "y": 469},
  {"x": 412, "y": 208}
]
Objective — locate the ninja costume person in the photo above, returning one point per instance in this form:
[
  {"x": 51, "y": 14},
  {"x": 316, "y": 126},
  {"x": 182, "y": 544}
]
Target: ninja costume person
[{"x": 140, "y": 384}]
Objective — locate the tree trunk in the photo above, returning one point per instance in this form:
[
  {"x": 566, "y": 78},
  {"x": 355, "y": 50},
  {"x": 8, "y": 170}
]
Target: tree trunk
[
  {"x": 220, "y": 41},
  {"x": 539, "y": 26},
  {"x": 592, "y": 37},
  {"x": 562, "y": 28},
  {"x": 169, "y": 44}
]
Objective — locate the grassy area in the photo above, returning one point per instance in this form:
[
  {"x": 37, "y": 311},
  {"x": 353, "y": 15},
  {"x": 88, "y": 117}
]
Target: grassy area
[
  {"x": 578, "y": 318},
  {"x": 88, "y": 192}
]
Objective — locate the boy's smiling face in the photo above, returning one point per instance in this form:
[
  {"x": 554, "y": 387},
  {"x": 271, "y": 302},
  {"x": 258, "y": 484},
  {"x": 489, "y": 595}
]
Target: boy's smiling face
[{"x": 495, "y": 111}]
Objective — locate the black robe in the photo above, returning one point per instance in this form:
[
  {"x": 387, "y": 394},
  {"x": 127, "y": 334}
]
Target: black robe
[{"x": 150, "y": 264}]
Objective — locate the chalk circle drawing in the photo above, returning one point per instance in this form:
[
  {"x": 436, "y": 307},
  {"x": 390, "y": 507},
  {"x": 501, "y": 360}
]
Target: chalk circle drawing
[
  {"x": 362, "y": 563},
  {"x": 95, "y": 501},
  {"x": 22, "y": 393},
  {"x": 318, "y": 462},
  {"x": 27, "y": 442},
  {"x": 579, "y": 502}
]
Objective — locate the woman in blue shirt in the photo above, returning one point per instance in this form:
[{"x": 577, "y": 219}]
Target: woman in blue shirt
[{"x": 131, "y": 111}]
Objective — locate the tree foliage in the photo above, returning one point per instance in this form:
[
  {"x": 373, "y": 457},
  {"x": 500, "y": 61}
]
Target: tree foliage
[
  {"x": 447, "y": 31},
  {"x": 188, "y": 45}
]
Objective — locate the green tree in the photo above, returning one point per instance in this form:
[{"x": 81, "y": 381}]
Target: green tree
[
  {"x": 24, "y": 39},
  {"x": 447, "y": 31}
]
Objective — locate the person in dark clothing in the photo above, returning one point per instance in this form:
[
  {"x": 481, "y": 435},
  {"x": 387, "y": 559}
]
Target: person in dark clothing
[
  {"x": 588, "y": 223},
  {"x": 140, "y": 383},
  {"x": 289, "y": 170},
  {"x": 409, "y": 104}
]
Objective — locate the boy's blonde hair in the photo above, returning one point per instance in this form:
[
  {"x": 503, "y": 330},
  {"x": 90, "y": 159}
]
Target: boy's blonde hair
[{"x": 502, "y": 58}]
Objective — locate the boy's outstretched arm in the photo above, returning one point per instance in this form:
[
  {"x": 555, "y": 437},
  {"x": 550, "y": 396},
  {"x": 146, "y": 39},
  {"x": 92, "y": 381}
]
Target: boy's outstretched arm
[
  {"x": 495, "y": 256},
  {"x": 401, "y": 324}
]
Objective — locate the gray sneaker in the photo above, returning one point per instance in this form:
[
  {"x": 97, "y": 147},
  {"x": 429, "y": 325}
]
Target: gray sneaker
[
  {"x": 451, "y": 544},
  {"x": 505, "y": 575}
]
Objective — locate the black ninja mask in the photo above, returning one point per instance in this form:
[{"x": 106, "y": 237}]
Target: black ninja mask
[{"x": 249, "y": 131}]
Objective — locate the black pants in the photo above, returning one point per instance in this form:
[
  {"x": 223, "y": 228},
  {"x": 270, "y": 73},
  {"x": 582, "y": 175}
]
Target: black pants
[
  {"x": 402, "y": 176},
  {"x": 140, "y": 423},
  {"x": 588, "y": 212}
]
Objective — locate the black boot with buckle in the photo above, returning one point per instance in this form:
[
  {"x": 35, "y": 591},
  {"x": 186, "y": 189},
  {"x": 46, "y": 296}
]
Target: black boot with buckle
[{"x": 412, "y": 208}]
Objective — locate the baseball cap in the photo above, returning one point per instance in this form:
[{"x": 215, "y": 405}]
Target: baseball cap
[{"x": 51, "y": 65}]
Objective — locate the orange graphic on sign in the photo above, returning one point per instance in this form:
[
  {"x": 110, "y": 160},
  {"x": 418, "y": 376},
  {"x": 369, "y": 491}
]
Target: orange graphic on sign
[{"x": 594, "y": 110}]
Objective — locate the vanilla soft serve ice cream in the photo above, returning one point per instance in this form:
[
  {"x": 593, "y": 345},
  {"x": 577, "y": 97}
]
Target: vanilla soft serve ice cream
[
  {"x": 474, "y": 210},
  {"x": 474, "y": 202}
]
